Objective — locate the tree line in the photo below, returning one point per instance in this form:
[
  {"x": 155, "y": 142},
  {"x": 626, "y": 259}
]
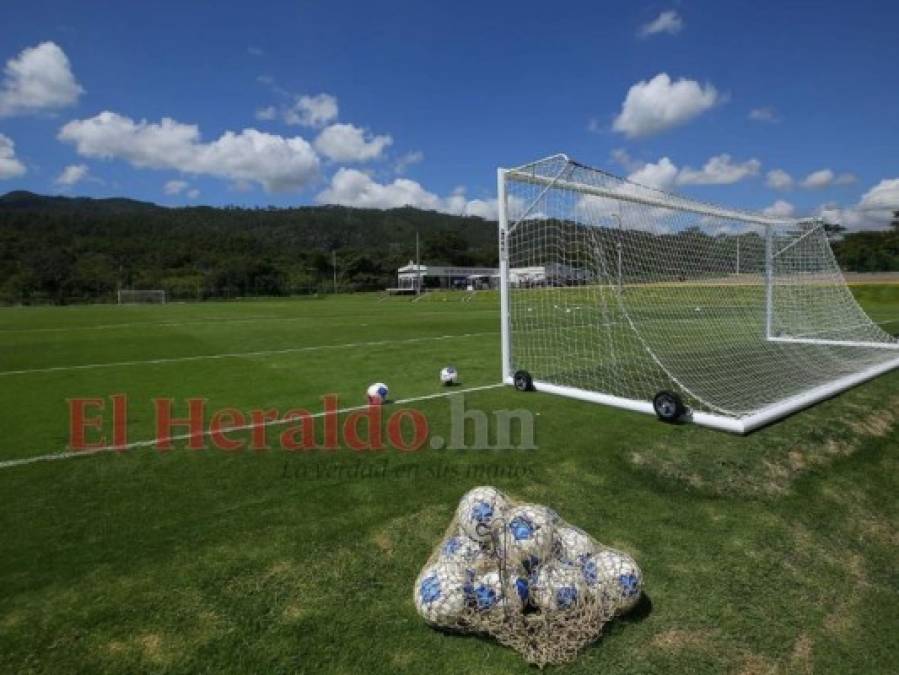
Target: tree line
[{"x": 62, "y": 250}]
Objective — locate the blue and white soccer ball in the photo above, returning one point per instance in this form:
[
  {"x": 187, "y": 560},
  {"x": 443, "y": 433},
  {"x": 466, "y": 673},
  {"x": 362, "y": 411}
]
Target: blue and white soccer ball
[
  {"x": 477, "y": 511},
  {"x": 439, "y": 593},
  {"x": 449, "y": 375},
  {"x": 377, "y": 393},
  {"x": 461, "y": 549},
  {"x": 557, "y": 587},
  {"x": 528, "y": 536},
  {"x": 486, "y": 592},
  {"x": 571, "y": 544},
  {"x": 614, "y": 577}
]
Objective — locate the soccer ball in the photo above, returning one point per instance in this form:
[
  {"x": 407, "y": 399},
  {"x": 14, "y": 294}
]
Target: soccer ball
[
  {"x": 557, "y": 587},
  {"x": 439, "y": 593},
  {"x": 571, "y": 544},
  {"x": 518, "y": 589},
  {"x": 528, "y": 535},
  {"x": 486, "y": 592},
  {"x": 461, "y": 550},
  {"x": 477, "y": 510},
  {"x": 449, "y": 375},
  {"x": 615, "y": 577},
  {"x": 377, "y": 393}
]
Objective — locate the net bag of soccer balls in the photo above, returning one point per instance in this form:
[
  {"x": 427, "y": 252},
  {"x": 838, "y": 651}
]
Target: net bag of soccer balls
[{"x": 521, "y": 574}]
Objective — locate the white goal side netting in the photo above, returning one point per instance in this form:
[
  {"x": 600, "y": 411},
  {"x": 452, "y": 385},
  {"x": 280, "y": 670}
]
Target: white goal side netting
[
  {"x": 134, "y": 297},
  {"x": 613, "y": 291}
]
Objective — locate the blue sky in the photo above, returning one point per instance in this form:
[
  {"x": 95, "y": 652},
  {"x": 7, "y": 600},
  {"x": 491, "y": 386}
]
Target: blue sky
[{"x": 386, "y": 103}]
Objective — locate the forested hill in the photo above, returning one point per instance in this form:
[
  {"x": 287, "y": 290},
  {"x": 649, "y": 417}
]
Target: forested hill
[{"x": 63, "y": 249}]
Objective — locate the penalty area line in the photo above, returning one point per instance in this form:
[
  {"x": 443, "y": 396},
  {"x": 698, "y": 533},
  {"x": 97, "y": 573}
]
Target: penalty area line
[
  {"x": 70, "y": 454},
  {"x": 238, "y": 355}
]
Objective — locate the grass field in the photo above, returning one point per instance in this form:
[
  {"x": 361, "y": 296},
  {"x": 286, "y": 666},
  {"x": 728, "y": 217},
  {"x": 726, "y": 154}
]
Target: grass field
[{"x": 777, "y": 552}]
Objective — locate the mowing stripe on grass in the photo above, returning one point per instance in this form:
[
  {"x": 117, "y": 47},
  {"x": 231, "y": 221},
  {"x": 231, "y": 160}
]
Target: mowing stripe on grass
[
  {"x": 69, "y": 454},
  {"x": 237, "y": 355}
]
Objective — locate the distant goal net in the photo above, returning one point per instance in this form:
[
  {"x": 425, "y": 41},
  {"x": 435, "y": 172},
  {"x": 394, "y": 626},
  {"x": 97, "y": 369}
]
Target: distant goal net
[
  {"x": 614, "y": 292},
  {"x": 134, "y": 297}
]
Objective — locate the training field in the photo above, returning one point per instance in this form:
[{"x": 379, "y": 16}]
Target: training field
[{"x": 776, "y": 552}]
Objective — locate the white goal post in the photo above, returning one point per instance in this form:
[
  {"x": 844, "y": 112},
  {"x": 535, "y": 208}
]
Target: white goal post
[
  {"x": 134, "y": 297},
  {"x": 612, "y": 292}
]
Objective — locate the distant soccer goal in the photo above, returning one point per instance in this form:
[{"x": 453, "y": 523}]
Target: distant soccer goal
[
  {"x": 621, "y": 294},
  {"x": 134, "y": 297}
]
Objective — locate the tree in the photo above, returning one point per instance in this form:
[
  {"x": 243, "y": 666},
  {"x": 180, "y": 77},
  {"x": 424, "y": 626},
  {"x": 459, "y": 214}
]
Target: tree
[{"x": 895, "y": 222}]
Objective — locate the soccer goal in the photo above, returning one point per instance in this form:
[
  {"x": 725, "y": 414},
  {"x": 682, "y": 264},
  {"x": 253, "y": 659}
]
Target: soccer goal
[
  {"x": 625, "y": 295},
  {"x": 134, "y": 297}
]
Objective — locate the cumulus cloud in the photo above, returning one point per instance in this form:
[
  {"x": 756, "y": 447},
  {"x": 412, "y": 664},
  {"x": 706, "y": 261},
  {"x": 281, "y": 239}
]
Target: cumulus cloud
[
  {"x": 668, "y": 21},
  {"x": 351, "y": 187},
  {"x": 665, "y": 174},
  {"x": 274, "y": 162},
  {"x": 267, "y": 113},
  {"x": 653, "y": 106},
  {"x": 779, "y": 179},
  {"x": 719, "y": 170},
  {"x": 39, "y": 79},
  {"x": 818, "y": 179},
  {"x": 72, "y": 174},
  {"x": 661, "y": 175},
  {"x": 845, "y": 179},
  {"x": 349, "y": 143},
  {"x": 766, "y": 114},
  {"x": 10, "y": 166},
  {"x": 780, "y": 209},
  {"x": 312, "y": 111},
  {"x": 873, "y": 211}
]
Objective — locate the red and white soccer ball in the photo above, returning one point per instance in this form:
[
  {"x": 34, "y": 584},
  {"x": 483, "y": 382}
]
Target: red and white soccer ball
[{"x": 377, "y": 393}]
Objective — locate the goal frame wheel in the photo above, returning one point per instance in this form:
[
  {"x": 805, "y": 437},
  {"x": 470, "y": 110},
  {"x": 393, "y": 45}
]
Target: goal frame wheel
[
  {"x": 523, "y": 381},
  {"x": 668, "y": 406}
]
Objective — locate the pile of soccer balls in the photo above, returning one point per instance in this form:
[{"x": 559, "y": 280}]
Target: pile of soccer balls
[{"x": 521, "y": 574}]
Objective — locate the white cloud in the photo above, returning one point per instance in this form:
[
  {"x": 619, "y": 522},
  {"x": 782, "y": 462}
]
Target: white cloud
[
  {"x": 623, "y": 158},
  {"x": 403, "y": 162},
  {"x": 10, "y": 166},
  {"x": 349, "y": 143},
  {"x": 38, "y": 79},
  {"x": 193, "y": 193},
  {"x": 780, "y": 209},
  {"x": 72, "y": 174},
  {"x": 174, "y": 187},
  {"x": 272, "y": 161},
  {"x": 668, "y": 21},
  {"x": 818, "y": 179},
  {"x": 873, "y": 211},
  {"x": 267, "y": 114},
  {"x": 766, "y": 114},
  {"x": 665, "y": 174},
  {"x": 845, "y": 179},
  {"x": 660, "y": 103},
  {"x": 661, "y": 175},
  {"x": 312, "y": 111},
  {"x": 351, "y": 187},
  {"x": 779, "y": 179},
  {"x": 719, "y": 170}
]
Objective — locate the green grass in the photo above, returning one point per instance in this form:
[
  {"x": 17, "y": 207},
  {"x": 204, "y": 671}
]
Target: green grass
[{"x": 776, "y": 552}]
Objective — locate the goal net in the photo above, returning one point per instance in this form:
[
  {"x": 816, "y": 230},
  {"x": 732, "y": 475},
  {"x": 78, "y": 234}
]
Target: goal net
[
  {"x": 133, "y": 297},
  {"x": 613, "y": 292}
]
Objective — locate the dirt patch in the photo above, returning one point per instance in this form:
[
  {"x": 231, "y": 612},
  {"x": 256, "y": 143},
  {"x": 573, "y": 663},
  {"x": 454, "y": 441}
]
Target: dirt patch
[
  {"x": 801, "y": 656},
  {"x": 754, "y": 664},
  {"x": 675, "y": 640},
  {"x": 384, "y": 543}
]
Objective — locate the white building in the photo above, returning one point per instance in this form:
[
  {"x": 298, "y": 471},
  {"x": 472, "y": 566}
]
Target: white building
[{"x": 411, "y": 276}]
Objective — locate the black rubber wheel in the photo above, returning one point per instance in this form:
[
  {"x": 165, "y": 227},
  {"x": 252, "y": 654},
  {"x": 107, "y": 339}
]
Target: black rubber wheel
[
  {"x": 668, "y": 406},
  {"x": 522, "y": 380}
]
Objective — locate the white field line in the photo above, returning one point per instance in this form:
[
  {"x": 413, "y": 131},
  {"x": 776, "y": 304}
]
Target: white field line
[
  {"x": 197, "y": 322},
  {"x": 237, "y": 355},
  {"x": 69, "y": 454}
]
